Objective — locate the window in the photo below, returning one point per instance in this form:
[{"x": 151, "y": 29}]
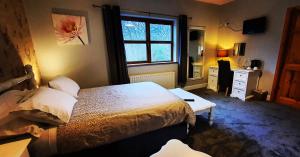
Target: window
[{"x": 148, "y": 40}]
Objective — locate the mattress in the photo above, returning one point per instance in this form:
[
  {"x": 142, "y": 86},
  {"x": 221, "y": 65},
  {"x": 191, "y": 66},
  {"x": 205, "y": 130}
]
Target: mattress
[{"x": 104, "y": 115}]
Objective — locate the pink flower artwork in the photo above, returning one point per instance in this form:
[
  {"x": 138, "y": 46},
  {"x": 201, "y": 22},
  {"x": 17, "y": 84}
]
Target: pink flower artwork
[{"x": 70, "y": 30}]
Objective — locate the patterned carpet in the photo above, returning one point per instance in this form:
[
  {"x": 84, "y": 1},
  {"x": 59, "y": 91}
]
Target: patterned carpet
[{"x": 247, "y": 129}]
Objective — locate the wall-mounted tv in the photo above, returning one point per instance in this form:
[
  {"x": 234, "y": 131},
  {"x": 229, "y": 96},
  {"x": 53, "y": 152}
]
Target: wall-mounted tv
[{"x": 254, "y": 26}]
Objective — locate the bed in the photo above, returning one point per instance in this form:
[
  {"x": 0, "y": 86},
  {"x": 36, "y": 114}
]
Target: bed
[{"x": 120, "y": 114}]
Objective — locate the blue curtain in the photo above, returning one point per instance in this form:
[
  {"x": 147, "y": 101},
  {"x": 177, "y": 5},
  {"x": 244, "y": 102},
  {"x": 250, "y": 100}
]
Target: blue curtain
[
  {"x": 115, "y": 45},
  {"x": 182, "y": 50}
]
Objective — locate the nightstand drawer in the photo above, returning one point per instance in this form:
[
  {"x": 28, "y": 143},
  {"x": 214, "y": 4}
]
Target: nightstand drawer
[
  {"x": 239, "y": 85},
  {"x": 240, "y": 76},
  {"x": 238, "y": 93},
  {"x": 213, "y": 72}
]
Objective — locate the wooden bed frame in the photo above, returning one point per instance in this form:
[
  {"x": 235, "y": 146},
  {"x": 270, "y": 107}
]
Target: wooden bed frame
[{"x": 137, "y": 146}]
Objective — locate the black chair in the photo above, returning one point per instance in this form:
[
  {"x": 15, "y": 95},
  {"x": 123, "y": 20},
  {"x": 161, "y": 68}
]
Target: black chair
[{"x": 225, "y": 77}]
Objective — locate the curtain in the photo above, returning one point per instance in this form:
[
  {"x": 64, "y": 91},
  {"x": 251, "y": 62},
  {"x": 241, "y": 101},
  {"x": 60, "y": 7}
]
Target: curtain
[
  {"x": 182, "y": 50},
  {"x": 115, "y": 45}
]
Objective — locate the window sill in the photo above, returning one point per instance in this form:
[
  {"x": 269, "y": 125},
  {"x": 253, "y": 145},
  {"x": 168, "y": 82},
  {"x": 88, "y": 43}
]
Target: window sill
[{"x": 149, "y": 64}]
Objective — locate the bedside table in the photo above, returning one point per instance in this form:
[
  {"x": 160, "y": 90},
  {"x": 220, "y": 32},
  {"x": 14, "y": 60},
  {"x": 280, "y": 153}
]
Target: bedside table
[{"x": 15, "y": 148}]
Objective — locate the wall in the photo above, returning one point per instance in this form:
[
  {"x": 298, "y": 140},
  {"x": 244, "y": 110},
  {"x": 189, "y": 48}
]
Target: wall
[
  {"x": 85, "y": 64},
  {"x": 16, "y": 47},
  {"x": 88, "y": 64},
  {"x": 262, "y": 46}
]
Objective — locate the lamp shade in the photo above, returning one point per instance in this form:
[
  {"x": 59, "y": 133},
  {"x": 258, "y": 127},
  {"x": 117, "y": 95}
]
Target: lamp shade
[{"x": 222, "y": 53}]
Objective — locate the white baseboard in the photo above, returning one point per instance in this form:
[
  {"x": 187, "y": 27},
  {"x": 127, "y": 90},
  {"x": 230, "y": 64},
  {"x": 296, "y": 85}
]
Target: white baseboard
[{"x": 196, "y": 86}]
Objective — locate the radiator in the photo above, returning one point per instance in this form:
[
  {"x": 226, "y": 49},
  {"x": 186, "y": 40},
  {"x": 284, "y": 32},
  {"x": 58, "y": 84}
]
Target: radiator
[{"x": 165, "y": 79}]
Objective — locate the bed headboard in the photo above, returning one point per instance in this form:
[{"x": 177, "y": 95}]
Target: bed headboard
[{"x": 27, "y": 81}]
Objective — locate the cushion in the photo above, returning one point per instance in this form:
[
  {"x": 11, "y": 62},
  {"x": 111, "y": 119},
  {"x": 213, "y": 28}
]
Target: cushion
[
  {"x": 18, "y": 126},
  {"x": 47, "y": 106},
  {"x": 65, "y": 84},
  {"x": 175, "y": 148},
  {"x": 11, "y": 125},
  {"x": 8, "y": 101}
]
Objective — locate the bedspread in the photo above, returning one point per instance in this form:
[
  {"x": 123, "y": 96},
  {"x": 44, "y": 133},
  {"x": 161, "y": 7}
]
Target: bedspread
[{"x": 104, "y": 115}]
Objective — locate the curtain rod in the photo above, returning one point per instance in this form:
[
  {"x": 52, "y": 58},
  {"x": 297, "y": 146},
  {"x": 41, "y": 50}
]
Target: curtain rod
[{"x": 143, "y": 12}]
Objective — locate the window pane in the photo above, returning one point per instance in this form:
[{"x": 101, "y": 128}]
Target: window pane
[
  {"x": 135, "y": 52},
  {"x": 160, "y": 52},
  {"x": 134, "y": 30},
  {"x": 160, "y": 32}
]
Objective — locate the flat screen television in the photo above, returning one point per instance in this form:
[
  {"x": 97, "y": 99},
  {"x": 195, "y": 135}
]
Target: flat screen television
[{"x": 254, "y": 26}]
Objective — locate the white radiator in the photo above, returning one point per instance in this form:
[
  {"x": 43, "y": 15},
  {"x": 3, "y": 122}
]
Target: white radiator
[{"x": 165, "y": 79}]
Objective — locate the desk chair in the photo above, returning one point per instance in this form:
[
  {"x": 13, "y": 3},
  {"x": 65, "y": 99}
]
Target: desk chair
[{"x": 225, "y": 77}]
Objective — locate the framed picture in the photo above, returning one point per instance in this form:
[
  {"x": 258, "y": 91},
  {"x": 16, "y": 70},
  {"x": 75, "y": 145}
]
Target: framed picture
[{"x": 70, "y": 29}]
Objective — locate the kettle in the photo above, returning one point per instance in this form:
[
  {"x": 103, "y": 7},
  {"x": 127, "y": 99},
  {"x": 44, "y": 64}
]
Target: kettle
[{"x": 256, "y": 63}]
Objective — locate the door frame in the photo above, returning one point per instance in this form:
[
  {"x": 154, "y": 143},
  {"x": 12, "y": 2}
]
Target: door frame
[{"x": 283, "y": 48}]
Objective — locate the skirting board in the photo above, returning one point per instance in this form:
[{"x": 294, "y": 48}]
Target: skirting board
[{"x": 196, "y": 86}]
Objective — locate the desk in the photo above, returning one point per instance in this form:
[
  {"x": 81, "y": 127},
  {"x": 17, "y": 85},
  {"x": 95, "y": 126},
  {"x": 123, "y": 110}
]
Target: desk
[
  {"x": 244, "y": 81},
  {"x": 213, "y": 77}
]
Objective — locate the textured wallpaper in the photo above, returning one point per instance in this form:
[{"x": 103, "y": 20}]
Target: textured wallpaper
[{"x": 16, "y": 47}]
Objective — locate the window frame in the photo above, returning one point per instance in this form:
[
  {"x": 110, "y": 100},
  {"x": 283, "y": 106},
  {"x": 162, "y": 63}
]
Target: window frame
[{"x": 148, "y": 41}]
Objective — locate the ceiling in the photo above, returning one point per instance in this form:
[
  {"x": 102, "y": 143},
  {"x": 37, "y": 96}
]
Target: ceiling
[{"x": 217, "y": 2}]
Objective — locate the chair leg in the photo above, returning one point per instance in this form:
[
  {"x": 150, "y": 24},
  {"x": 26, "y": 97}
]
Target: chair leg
[
  {"x": 210, "y": 116},
  {"x": 226, "y": 93}
]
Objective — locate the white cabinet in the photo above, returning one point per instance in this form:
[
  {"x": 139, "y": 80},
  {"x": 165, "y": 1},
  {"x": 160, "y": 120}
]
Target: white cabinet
[
  {"x": 213, "y": 78},
  {"x": 244, "y": 82}
]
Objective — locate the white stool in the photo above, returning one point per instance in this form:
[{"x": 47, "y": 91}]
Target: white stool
[
  {"x": 175, "y": 148},
  {"x": 199, "y": 106}
]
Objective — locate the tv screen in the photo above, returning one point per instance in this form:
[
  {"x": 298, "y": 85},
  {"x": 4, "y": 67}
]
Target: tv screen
[{"x": 254, "y": 26}]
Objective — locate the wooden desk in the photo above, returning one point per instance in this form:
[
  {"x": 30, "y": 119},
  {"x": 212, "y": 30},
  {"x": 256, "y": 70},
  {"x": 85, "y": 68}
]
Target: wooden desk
[
  {"x": 15, "y": 148},
  {"x": 244, "y": 81},
  {"x": 213, "y": 77}
]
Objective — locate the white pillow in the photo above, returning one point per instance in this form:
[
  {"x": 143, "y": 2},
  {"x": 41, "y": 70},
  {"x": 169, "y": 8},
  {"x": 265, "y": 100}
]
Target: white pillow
[
  {"x": 48, "y": 106},
  {"x": 65, "y": 84}
]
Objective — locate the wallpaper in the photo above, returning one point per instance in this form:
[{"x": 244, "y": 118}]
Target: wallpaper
[{"x": 16, "y": 47}]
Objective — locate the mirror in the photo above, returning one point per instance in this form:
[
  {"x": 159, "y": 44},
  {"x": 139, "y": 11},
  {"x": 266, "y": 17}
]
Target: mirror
[{"x": 195, "y": 50}]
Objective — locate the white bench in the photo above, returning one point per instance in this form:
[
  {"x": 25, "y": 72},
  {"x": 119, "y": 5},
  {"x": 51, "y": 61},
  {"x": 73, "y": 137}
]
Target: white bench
[{"x": 199, "y": 105}]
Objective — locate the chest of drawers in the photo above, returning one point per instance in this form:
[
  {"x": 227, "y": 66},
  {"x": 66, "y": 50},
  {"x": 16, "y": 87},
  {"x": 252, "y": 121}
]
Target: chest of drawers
[{"x": 244, "y": 82}]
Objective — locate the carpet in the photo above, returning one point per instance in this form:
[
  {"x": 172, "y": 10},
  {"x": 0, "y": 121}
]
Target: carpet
[{"x": 246, "y": 129}]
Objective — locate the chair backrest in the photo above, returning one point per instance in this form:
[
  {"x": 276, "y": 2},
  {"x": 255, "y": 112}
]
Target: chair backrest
[
  {"x": 225, "y": 75},
  {"x": 224, "y": 67}
]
